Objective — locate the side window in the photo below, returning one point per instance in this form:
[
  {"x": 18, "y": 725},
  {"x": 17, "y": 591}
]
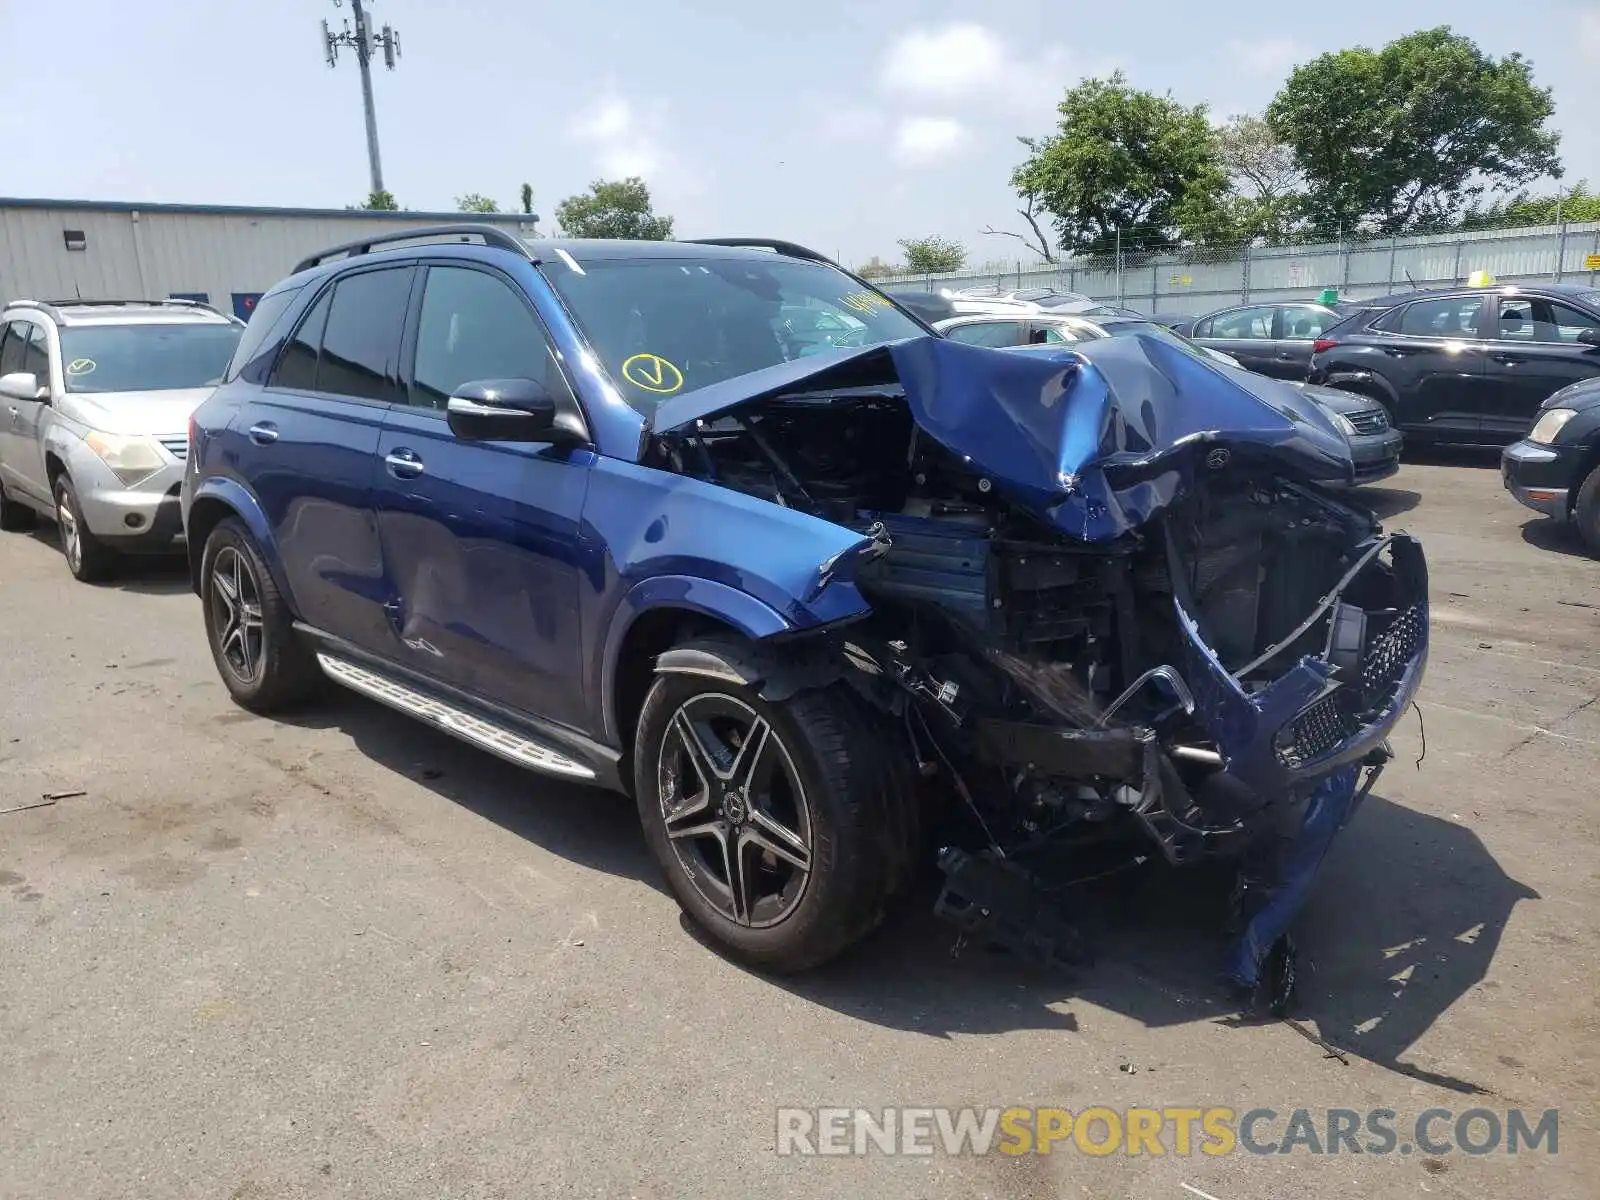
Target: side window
[
  {"x": 15, "y": 337},
  {"x": 264, "y": 317},
  {"x": 36, "y": 354},
  {"x": 361, "y": 343},
  {"x": 1242, "y": 323},
  {"x": 474, "y": 326},
  {"x": 297, "y": 368},
  {"x": 1537, "y": 320},
  {"x": 988, "y": 333},
  {"x": 1453, "y": 318},
  {"x": 1303, "y": 323},
  {"x": 1054, "y": 334}
]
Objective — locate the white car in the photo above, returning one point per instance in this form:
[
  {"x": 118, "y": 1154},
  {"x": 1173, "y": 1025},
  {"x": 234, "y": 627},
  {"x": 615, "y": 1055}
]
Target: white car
[{"x": 1044, "y": 327}]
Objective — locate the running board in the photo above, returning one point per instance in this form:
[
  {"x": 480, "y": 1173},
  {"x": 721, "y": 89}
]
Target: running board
[{"x": 497, "y": 739}]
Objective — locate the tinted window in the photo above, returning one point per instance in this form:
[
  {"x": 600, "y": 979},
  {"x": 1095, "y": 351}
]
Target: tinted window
[
  {"x": 298, "y": 367},
  {"x": 147, "y": 357},
  {"x": 1055, "y": 333},
  {"x": 1241, "y": 323},
  {"x": 1453, "y": 318},
  {"x": 361, "y": 342},
  {"x": 1303, "y": 322},
  {"x": 1530, "y": 319},
  {"x": 988, "y": 333},
  {"x": 11, "y": 348},
  {"x": 264, "y": 318},
  {"x": 475, "y": 327},
  {"x": 661, "y": 326},
  {"x": 36, "y": 354}
]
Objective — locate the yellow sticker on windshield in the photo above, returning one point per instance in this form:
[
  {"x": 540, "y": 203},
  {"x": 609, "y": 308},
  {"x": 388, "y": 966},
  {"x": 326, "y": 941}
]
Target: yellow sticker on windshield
[
  {"x": 864, "y": 302},
  {"x": 80, "y": 366},
  {"x": 652, "y": 373}
]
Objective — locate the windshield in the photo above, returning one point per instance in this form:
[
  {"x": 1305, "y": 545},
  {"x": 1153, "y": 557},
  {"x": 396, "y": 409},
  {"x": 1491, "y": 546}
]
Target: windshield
[
  {"x": 145, "y": 357},
  {"x": 663, "y": 326}
]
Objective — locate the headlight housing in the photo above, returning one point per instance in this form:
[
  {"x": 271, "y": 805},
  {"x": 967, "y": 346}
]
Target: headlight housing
[
  {"x": 1549, "y": 425},
  {"x": 131, "y": 459},
  {"x": 1341, "y": 423}
]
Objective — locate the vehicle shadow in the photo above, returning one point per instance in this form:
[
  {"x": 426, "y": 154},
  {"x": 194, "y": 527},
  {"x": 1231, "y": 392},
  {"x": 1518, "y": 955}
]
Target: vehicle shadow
[
  {"x": 1376, "y": 973},
  {"x": 148, "y": 574},
  {"x": 1433, "y": 455},
  {"x": 1558, "y": 537},
  {"x": 587, "y": 825},
  {"x": 1386, "y": 502}
]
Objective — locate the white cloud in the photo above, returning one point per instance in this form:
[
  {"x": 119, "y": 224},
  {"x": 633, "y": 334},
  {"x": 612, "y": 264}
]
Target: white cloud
[
  {"x": 622, "y": 141},
  {"x": 1589, "y": 32},
  {"x": 1267, "y": 56},
  {"x": 972, "y": 65},
  {"x": 923, "y": 141}
]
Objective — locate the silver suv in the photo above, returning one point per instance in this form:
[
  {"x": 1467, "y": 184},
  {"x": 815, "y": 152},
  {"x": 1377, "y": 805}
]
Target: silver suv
[{"x": 95, "y": 398}]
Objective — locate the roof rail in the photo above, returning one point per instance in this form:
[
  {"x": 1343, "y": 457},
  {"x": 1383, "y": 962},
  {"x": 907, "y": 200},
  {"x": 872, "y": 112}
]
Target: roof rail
[
  {"x": 491, "y": 235},
  {"x": 791, "y": 249},
  {"x": 43, "y": 306},
  {"x": 52, "y": 307}
]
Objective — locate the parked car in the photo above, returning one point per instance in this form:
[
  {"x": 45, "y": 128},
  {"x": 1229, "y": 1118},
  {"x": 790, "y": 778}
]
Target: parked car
[
  {"x": 930, "y": 306},
  {"x": 1555, "y": 470},
  {"x": 1467, "y": 365},
  {"x": 1045, "y": 327},
  {"x": 97, "y": 394},
  {"x": 573, "y": 502},
  {"x": 1272, "y": 339},
  {"x": 1375, "y": 444},
  {"x": 1017, "y": 300}
]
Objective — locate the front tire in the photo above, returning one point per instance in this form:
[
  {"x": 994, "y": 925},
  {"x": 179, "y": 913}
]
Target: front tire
[
  {"x": 88, "y": 558},
  {"x": 1586, "y": 511},
  {"x": 263, "y": 663},
  {"x": 778, "y": 825}
]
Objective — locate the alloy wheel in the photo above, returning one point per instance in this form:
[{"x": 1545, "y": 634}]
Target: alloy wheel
[
  {"x": 735, "y": 810},
  {"x": 236, "y": 614},
  {"x": 71, "y": 536}
]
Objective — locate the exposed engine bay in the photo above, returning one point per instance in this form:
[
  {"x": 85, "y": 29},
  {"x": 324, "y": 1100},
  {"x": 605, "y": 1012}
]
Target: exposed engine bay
[{"x": 1215, "y": 679}]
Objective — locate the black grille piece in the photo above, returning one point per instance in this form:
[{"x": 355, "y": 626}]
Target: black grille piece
[
  {"x": 1318, "y": 729},
  {"x": 1388, "y": 655}
]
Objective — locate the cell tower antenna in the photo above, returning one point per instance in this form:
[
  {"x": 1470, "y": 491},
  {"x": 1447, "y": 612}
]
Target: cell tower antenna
[{"x": 364, "y": 42}]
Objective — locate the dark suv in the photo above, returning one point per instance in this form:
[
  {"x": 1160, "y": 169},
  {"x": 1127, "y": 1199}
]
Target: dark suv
[
  {"x": 611, "y": 511},
  {"x": 1467, "y": 365}
]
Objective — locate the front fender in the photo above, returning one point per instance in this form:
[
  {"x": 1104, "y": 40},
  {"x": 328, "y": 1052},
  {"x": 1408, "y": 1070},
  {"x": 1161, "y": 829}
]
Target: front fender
[{"x": 238, "y": 500}]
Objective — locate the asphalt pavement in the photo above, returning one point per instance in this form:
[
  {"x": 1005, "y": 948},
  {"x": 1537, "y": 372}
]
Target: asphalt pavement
[{"x": 344, "y": 955}]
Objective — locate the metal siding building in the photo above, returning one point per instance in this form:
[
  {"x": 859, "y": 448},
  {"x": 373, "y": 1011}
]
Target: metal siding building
[{"x": 149, "y": 251}]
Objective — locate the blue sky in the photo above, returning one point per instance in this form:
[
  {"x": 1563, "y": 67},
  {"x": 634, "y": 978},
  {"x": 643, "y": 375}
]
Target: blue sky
[{"x": 842, "y": 125}]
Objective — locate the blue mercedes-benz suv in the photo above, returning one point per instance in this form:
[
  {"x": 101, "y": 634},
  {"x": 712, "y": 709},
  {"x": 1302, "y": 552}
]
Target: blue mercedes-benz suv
[{"x": 721, "y": 525}]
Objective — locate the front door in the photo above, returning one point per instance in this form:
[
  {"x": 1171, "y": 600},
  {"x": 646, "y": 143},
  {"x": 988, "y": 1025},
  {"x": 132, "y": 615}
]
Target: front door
[
  {"x": 481, "y": 540},
  {"x": 13, "y": 339},
  {"x": 307, "y": 445},
  {"x": 1298, "y": 328},
  {"x": 1244, "y": 333},
  {"x": 1535, "y": 353},
  {"x": 25, "y": 452}
]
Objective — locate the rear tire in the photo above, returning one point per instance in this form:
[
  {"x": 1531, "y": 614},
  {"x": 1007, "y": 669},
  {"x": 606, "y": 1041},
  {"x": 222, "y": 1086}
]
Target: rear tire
[
  {"x": 789, "y": 853},
  {"x": 88, "y": 558},
  {"x": 263, "y": 663},
  {"x": 13, "y": 516},
  {"x": 1586, "y": 511}
]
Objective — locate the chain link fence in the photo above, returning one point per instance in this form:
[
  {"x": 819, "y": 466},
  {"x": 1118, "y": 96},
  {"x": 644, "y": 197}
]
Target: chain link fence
[{"x": 1191, "y": 282}]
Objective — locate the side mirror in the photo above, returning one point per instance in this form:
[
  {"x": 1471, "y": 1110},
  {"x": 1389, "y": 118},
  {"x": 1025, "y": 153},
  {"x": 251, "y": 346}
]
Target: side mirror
[
  {"x": 505, "y": 410},
  {"x": 1589, "y": 337},
  {"x": 20, "y": 385}
]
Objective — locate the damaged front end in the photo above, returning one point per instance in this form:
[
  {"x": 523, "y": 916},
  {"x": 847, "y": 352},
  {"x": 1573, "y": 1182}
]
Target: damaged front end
[{"x": 1105, "y": 596}]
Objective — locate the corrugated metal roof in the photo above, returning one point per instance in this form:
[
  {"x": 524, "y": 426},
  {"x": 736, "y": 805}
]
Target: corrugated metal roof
[{"x": 224, "y": 210}]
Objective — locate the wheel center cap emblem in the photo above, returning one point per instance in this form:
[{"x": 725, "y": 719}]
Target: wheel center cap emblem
[{"x": 734, "y": 808}]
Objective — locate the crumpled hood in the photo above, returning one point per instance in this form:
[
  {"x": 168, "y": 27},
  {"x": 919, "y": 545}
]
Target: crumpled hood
[{"x": 1097, "y": 439}]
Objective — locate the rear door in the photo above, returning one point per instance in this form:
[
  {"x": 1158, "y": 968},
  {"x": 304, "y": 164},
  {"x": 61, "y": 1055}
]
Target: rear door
[
  {"x": 481, "y": 540},
  {"x": 26, "y": 415},
  {"x": 1535, "y": 353},
  {"x": 13, "y": 339},
  {"x": 1245, "y": 333},
  {"x": 307, "y": 445},
  {"x": 1432, "y": 353},
  {"x": 1298, "y": 327}
]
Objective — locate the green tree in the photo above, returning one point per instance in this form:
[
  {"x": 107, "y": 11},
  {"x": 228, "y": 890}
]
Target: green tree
[
  {"x": 527, "y": 198},
  {"x": 1124, "y": 160},
  {"x": 930, "y": 255},
  {"x": 618, "y": 208},
  {"x": 1575, "y": 203},
  {"x": 1409, "y": 136},
  {"x": 874, "y": 268},
  {"x": 1264, "y": 182},
  {"x": 1030, "y": 212},
  {"x": 379, "y": 202},
  {"x": 472, "y": 202}
]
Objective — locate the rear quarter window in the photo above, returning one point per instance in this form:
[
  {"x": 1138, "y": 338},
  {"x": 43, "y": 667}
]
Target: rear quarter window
[{"x": 264, "y": 321}]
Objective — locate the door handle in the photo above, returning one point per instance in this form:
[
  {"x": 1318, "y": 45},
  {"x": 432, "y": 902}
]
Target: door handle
[
  {"x": 263, "y": 433},
  {"x": 1508, "y": 358},
  {"x": 403, "y": 463}
]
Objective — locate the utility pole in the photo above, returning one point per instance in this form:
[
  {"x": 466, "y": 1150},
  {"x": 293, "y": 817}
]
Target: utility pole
[{"x": 364, "y": 42}]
